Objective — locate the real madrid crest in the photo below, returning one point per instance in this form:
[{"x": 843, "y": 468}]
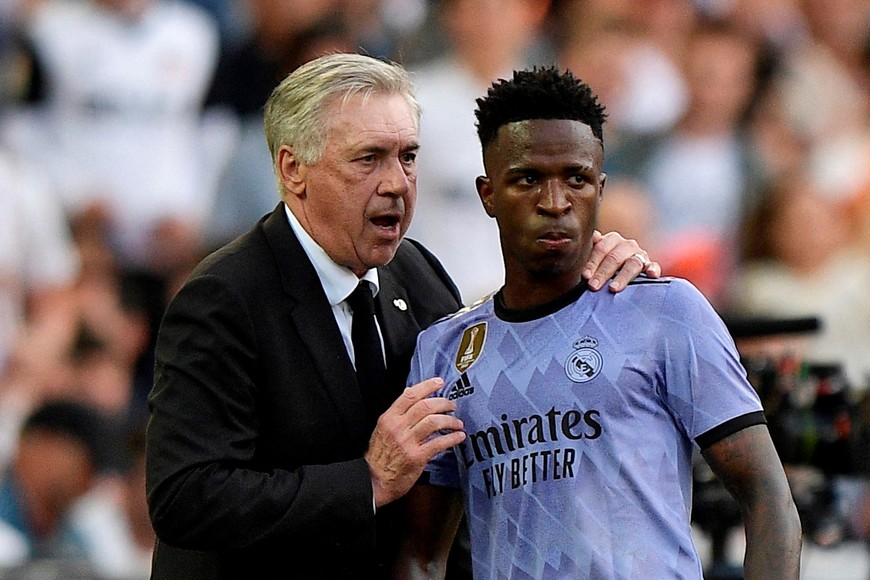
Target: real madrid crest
[
  {"x": 585, "y": 362},
  {"x": 470, "y": 346}
]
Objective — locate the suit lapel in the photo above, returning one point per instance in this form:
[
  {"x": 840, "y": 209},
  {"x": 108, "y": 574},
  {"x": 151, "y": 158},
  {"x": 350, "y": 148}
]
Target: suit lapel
[
  {"x": 315, "y": 323},
  {"x": 394, "y": 315},
  {"x": 399, "y": 329}
]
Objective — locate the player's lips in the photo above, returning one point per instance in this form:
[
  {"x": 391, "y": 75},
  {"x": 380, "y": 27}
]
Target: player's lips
[{"x": 555, "y": 239}]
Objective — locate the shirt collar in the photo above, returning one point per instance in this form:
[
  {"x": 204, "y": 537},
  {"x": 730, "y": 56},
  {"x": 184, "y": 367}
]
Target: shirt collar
[{"x": 338, "y": 281}]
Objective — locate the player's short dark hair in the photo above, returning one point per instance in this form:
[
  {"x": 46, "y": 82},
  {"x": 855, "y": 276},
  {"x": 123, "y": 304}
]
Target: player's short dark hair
[{"x": 539, "y": 93}]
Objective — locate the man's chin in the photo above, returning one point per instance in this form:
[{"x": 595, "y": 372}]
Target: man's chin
[
  {"x": 382, "y": 255},
  {"x": 556, "y": 268}
]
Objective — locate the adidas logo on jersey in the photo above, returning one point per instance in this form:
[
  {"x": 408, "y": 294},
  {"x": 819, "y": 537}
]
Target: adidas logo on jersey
[{"x": 461, "y": 388}]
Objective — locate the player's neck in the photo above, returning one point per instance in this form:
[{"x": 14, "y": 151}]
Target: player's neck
[{"x": 522, "y": 293}]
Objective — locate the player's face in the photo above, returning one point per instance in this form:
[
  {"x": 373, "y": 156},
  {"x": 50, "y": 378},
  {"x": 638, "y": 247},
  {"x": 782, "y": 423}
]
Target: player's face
[
  {"x": 358, "y": 199},
  {"x": 543, "y": 185}
]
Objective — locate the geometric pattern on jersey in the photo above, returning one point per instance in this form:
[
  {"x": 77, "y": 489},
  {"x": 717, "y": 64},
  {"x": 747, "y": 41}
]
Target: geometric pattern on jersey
[{"x": 581, "y": 426}]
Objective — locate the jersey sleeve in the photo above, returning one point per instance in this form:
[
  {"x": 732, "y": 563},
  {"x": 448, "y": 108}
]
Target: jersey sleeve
[
  {"x": 705, "y": 383},
  {"x": 443, "y": 469}
]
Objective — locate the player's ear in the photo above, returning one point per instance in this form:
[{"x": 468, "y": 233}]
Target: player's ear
[{"x": 484, "y": 191}]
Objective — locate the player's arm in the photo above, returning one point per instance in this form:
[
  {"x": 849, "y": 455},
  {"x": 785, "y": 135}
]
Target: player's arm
[
  {"x": 432, "y": 518},
  {"x": 747, "y": 463}
]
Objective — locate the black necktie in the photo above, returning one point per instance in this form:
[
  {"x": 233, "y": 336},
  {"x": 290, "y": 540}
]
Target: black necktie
[{"x": 369, "y": 357}]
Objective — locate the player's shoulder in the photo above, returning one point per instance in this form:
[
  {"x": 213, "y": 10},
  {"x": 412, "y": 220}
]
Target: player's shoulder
[
  {"x": 477, "y": 309},
  {"x": 668, "y": 291}
]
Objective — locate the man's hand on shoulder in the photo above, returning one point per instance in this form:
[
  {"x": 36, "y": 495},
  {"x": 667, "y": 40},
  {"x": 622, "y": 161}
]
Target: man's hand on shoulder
[{"x": 614, "y": 256}]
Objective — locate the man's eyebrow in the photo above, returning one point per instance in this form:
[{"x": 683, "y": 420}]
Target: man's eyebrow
[
  {"x": 523, "y": 169},
  {"x": 535, "y": 170},
  {"x": 374, "y": 149},
  {"x": 522, "y": 172}
]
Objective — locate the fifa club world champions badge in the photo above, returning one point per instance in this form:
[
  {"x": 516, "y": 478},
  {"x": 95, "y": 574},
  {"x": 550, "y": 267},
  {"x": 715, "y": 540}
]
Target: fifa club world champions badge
[{"x": 470, "y": 346}]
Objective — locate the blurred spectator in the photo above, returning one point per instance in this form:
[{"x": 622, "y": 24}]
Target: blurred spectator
[
  {"x": 62, "y": 448},
  {"x": 38, "y": 267},
  {"x": 778, "y": 148},
  {"x": 799, "y": 262},
  {"x": 102, "y": 364},
  {"x": 118, "y": 89},
  {"x": 841, "y": 28},
  {"x": 486, "y": 39},
  {"x": 38, "y": 270},
  {"x": 384, "y": 28},
  {"x": 780, "y": 23},
  {"x": 859, "y": 209},
  {"x": 14, "y": 64},
  {"x": 701, "y": 173},
  {"x": 626, "y": 208},
  {"x": 118, "y": 311},
  {"x": 230, "y": 16},
  {"x": 95, "y": 346},
  {"x": 113, "y": 516},
  {"x": 633, "y": 56},
  {"x": 818, "y": 106},
  {"x": 247, "y": 73},
  {"x": 283, "y": 35},
  {"x": 825, "y": 93},
  {"x": 641, "y": 85},
  {"x": 668, "y": 24}
]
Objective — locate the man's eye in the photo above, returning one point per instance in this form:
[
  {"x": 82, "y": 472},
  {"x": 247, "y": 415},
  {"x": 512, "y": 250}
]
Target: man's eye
[{"x": 409, "y": 158}]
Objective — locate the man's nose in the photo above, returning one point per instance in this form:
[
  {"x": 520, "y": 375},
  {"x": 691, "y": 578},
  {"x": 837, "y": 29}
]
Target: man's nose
[
  {"x": 554, "y": 198},
  {"x": 395, "y": 179}
]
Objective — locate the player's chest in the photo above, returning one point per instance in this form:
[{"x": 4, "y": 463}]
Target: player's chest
[{"x": 537, "y": 380}]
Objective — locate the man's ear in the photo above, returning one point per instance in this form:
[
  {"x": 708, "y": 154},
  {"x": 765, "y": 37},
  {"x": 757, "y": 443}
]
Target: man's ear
[
  {"x": 484, "y": 191},
  {"x": 291, "y": 172},
  {"x": 602, "y": 181}
]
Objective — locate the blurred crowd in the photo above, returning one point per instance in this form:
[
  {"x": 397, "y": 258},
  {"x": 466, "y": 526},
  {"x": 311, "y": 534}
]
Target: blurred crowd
[{"x": 737, "y": 153}]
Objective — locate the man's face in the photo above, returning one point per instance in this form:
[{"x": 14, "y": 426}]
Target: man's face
[
  {"x": 543, "y": 187},
  {"x": 358, "y": 199},
  {"x": 55, "y": 471}
]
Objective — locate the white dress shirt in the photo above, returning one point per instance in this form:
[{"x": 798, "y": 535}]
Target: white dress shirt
[{"x": 338, "y": 281}]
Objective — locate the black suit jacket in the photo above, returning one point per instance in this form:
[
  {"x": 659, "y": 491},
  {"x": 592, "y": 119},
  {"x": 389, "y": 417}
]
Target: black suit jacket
[{"x": 257, "y": 430}]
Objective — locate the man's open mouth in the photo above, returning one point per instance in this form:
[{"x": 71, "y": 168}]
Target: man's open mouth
[{"x": 385, "y": 221}]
